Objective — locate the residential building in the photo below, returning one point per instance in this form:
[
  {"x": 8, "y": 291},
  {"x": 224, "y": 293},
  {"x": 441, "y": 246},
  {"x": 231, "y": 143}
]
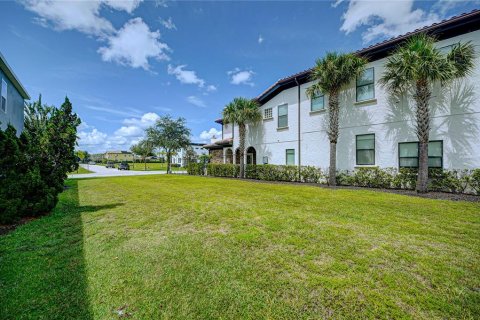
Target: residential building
[
  {"x": 117, "y": 155},
  {"x": 180, "y": 157},
  {"x": 376, "y": 129},
  {"x": 12, "y": 98}
]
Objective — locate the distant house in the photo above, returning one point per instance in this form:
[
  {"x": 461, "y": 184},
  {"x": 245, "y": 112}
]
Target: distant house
[
  {"x": 118, "y": 156},
  {"x": 180, "y": 157},
  {"x": 12, "y": 97}
]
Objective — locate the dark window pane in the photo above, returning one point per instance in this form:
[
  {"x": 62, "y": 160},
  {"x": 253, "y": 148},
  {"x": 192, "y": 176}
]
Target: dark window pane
[
  {"x": 434, "y": 162},
  {"x": 366, "y": 78},
  {"x": 409, "y": 149},
  {"x": 435, "y": 149},
  {"x": 318, "y": 103},
  {"x": 409, "y": 162},
  {"x": 365, "y": 157},
  {"x": 365, "y": 92}
]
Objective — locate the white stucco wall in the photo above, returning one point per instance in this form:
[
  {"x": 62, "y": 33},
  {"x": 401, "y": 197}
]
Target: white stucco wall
[{"x": 455, "y": 120}]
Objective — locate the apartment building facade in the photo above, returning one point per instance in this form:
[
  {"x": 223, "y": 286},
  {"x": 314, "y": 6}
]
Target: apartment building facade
[{"x": 376, "y": 129}]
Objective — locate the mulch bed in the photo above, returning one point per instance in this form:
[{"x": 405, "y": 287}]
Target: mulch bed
[
  {"x": 429, "y": 195},
  {"x": 6, "y": 228}
]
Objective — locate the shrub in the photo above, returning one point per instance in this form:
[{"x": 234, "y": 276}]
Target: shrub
[
  {"x": 312, "y": 174},
  {"x": 406, "y": 178},
  {"x": 475, "y": 181},
  {"x": 223, "y": 170},
  {"x": 196, "y": 169}
]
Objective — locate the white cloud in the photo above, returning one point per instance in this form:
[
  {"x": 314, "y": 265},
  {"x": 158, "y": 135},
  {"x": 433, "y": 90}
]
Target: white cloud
[
  {"x": 168, "y": 23},
  {"x": 260, "y": 39},
  {"x": 185, "y": 76},
  {"x": 95, "y": 141},
  {"x": 134, "y": 45},
  {"x": 238, "y": 76},
  {"x": 125, "y": 5},
  {"x": 196, "y": 101},
  {"x": 145, "y": 121},
  {"x": 131, "y": 113},
  {"x": 211, "y": 88},
  {"x": 207, "y": 135},
  {"x": 384, "y": 18},
  {"x": 83, "y": 16},
  {"x": 129, "y": 131}
]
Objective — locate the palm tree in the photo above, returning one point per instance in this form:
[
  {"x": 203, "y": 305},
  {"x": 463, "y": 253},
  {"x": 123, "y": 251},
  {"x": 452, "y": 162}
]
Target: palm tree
[
  {"x": 333, "y": 73},
  {"x": 242, "y": 111},
  {"x": 416, "y": 66}
]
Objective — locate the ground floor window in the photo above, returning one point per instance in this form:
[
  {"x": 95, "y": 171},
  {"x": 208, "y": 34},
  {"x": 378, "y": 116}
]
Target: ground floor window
[
  {"x": 408, "y": 154},
  {"x": 365, "y": 146},
  {"x": 290, "y": 157}
]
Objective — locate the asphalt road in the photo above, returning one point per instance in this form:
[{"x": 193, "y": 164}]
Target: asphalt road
[{"x": 101, "y": 171}]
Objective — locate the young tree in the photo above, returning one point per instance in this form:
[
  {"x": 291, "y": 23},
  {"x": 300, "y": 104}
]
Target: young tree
[
  {"x": 144, "y": 149},
  {"x": 242, "y": 111},
  {"x": 49, "y": 139},
  {"x": 170, "y": 135},
  {"x": 333, "y": 73},
  {"x": 416, "y": 66}
]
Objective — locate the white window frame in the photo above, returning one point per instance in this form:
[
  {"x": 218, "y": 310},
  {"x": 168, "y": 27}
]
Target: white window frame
[
  {"x": 278, "y": 115},
  {"x": 267, "y": 113}
]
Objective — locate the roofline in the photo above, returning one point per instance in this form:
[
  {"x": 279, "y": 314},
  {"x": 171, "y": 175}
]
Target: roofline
[
  {"x": 449, "y": 28},
  {"x": 13, "y": 78}
]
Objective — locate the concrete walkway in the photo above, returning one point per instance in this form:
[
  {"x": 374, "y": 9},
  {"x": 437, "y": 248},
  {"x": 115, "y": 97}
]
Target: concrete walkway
[{"x": 101, "y": 171}]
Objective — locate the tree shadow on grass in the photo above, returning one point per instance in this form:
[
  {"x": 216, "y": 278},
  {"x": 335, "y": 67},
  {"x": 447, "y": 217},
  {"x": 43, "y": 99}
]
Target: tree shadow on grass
[{"x": 42, "y": 264}]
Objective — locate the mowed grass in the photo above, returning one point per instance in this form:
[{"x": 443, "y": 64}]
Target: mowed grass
[
  {"x": 181, "y": 247},
  {"x": 152, "y": 166},
  {"x": 81, "y": 170}
]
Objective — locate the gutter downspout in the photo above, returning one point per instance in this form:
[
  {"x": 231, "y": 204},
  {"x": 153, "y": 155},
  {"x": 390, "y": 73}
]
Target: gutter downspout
[{"x": 299, "y": 144}]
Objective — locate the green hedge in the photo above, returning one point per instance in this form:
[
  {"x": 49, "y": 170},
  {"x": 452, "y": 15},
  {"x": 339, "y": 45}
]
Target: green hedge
[{"x": 454, "y": 181}]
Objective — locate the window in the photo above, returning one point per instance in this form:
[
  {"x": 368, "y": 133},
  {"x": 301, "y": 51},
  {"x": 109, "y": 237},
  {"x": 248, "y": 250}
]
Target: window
[
  {"x": 283, "y": 116},
  {"x": 408, "y": 154},
  {"x": 290, "y": 157},
  {"x": 365, "y": 145},
  {"x": 265, "y": 160},
  {"x": 267, "y": 113},
  {"x": 317, "y": 103},
  {"x": 3, "y": 93},
  {"x": 366, "y": 85}
]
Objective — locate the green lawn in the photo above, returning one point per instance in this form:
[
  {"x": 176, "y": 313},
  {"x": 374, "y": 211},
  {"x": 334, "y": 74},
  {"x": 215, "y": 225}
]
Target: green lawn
[
  {"x": 81, "y": 170},
  {"x": 181, "y": 247},
  {"x": 152, "y": 166}
]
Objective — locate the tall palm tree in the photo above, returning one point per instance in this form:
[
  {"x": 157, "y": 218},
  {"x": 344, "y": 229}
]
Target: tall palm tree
[
  {"x": 416, "y": 66},
  {"x": 242, "y": 111},
  {"x": 333, "y": 73}
]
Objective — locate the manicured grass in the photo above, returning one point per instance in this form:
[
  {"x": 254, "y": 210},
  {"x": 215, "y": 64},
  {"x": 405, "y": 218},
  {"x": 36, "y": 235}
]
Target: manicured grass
[
  {"x": 180, "y": 247},
  {"x": 81, "y": 170},
  {"x": 152, "y": 166}
]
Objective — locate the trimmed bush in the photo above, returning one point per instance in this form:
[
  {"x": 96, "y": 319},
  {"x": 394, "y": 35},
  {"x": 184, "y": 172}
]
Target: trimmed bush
[{"x": 453, "y": 181}]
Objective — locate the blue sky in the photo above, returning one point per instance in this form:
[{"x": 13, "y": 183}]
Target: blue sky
[{"x": 124, "y": 63}]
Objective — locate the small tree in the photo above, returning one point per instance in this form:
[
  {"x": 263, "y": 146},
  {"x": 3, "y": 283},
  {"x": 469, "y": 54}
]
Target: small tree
[
  {"x": 333, "y": 73},
  {"x": 144, "y": 149},
  {"x": 242, "y": 111},
  {"x": 170, "y": 135},
  {"x": 190, "y": 156},
  {"x": 416, "y": 66}
]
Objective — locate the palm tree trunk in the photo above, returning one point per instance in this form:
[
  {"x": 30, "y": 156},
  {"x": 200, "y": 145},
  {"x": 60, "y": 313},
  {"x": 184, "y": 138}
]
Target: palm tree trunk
[
  {"x": 333, "y": 111},
  {"x": 422, "y": 97},
  {"x": 241, "y": 131}
]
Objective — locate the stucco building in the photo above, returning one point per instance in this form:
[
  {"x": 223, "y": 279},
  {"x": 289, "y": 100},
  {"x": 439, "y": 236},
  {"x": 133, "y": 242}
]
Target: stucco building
[{"x": 376, "y": 129}]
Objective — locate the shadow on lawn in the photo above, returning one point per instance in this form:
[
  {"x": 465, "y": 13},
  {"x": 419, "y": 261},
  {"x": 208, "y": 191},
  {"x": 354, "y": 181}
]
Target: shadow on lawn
[{"x": 42, "y": 265}]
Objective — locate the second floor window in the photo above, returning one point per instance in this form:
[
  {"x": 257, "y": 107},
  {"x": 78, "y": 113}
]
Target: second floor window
[
  {"x": 317, "y": 103},
  {"x": 366, "y": 85},
  {"x": 3, "y": 94},
  {"x": 283, "y": 116},
  {"x": 267, "y": 113}
]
